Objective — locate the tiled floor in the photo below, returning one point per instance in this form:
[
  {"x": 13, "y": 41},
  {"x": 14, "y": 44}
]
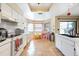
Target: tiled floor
[{"x": 41, "y": 48}]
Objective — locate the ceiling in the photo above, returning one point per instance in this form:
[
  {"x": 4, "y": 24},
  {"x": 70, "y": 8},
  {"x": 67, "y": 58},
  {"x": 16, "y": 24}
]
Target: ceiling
[
  {"x": 15, "y": 7},
  {"x": 48, "y": 10},
  {"x": 40, "y": 7}
]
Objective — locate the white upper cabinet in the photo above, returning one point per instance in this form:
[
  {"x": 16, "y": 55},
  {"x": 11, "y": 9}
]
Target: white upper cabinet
[
  {"x": 14, "y": 14},
  {"x": 19, "y": 18},
  {"x": 11, "y": 14},
  {"x": 6, "y": 10}
]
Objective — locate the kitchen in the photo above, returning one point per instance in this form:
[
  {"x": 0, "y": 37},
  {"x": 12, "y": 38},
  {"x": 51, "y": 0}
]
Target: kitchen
[{"x": 55, "y": 22}]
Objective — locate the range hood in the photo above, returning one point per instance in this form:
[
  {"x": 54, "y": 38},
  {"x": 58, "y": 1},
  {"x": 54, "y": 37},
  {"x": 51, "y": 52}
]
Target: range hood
[{"x": 7, "y": 18}]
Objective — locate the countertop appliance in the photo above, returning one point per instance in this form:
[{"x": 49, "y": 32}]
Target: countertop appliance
[
  {"x": 3, "y": 34},
  {"x": 18, "y": 31}
]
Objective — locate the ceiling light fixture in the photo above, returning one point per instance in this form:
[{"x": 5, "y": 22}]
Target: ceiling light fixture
[
  {"x": 40, "y": 13},
  {"x": 38, "y": 3},
  {"x": 69, "y": 13}
]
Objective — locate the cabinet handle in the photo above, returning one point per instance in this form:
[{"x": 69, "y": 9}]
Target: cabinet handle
[
  {"x": 74, "y": 49},
  {"x": 0, "y": 10}
]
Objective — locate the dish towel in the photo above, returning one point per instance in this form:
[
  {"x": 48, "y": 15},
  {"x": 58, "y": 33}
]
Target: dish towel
[{"x": 17, "y": 43}]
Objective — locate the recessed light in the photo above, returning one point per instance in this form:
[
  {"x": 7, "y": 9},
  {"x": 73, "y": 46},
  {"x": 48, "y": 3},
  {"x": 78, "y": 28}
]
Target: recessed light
[
  {"x": 38, "y": 3},
  {"x": 40, "y": 13}
]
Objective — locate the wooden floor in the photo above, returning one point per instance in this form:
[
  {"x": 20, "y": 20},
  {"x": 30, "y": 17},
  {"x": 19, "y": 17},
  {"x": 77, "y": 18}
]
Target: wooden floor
[{"x": 41, "y": 48}]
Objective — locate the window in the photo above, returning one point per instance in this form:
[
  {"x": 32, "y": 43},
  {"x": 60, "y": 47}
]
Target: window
[
  {"x": 30, "y": 27},
  {"x": 67, "y": 27},
  {"x": 35, "y": 27},
  {"x": 38, "y": 27}
]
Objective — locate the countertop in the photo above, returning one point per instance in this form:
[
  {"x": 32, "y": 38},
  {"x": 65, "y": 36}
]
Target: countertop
[
  {"x": 70, "y": 36},
  {"x": 9, "y": 40}
]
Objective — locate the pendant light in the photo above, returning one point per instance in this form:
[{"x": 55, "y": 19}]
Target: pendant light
[{"x": 69, "y": 13}]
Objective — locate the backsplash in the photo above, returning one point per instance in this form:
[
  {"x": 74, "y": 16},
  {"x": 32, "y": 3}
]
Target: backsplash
[{"x": 10, "y": 26}]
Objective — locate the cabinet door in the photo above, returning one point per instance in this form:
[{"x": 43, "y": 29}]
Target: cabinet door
[
  {"x": 67, "y": 47},
  {"x": 13, "y": 47},
  {"x": 58, "y": 42},
  {"x": 14, "y": 14},
  {"x": 77, "y": 48},
  {"x": 5, "y": 50},
  {"x": 6, "y": 9}
]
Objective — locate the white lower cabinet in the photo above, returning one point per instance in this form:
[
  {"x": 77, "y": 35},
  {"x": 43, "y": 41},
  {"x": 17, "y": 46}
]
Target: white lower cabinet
[
  {"x": 21, "y": 47},
  {"x": 65, "y": 45},
  {"x": 77, "y": 47},
  {"x": 67, "y": 49},
  {"x": 5, "y": 49},
  {"x": 58, "y": 42},
  {"x": 77, "y": 50},
  {"x": 13, "y": 47}
]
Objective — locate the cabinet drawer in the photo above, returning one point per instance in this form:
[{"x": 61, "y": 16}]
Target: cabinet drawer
[{"x": 67, "y": 49}]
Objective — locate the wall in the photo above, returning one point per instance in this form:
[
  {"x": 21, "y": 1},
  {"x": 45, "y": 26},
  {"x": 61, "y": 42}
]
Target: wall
[
  {"x": 52, "y": 23},
  {"x": 22, "y": 24}
]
